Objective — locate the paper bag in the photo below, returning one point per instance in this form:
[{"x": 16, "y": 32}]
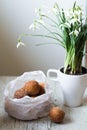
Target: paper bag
[{"x": 27, "y": 108}]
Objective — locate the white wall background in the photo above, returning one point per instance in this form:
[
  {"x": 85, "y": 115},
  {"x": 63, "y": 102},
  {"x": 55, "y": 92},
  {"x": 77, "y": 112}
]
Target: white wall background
[{"x": 15, "y": 18}]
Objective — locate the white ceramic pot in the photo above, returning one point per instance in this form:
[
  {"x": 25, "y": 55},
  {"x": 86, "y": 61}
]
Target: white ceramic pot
[{"x": 73, "y": 86}]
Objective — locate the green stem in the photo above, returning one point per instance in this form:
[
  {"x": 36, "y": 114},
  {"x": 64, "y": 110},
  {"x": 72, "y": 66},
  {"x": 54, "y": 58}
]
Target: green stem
[
  {"x": 73, "y": 62},
  {"x": 68, "y": 59},
  {"x": 59, "y": 41},
  {"x": 50, "y": 19},
  {"x": 47, "y": 29}
]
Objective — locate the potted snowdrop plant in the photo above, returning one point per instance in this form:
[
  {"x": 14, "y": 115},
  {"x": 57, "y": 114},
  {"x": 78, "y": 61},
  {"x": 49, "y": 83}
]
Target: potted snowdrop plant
[{"x": 69, "y": 30}]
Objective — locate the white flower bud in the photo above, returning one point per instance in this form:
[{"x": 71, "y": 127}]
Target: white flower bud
[{"x": 20, "y": 43}]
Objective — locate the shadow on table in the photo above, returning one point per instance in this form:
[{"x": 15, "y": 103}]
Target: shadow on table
[
  {"x": 3, "y": 120},
  {"x": 84, "y": 101}
]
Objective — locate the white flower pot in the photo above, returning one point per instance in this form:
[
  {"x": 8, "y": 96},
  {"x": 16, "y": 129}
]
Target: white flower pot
[{"x": 73, "y": 86}]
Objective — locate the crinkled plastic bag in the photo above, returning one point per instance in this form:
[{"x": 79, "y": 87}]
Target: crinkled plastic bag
[{"x": 27, "y": 108}]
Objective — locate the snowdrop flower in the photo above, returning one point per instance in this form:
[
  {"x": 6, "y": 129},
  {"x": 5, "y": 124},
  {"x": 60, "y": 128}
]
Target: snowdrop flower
[
  {"x": 75, "y": 32},
  {"x": 54, "y": 10},
  {"x": 20, "y": 43},
  {"x": 74, "y": 20},
  {"x": 41, "y": 22},
  {"x": 36, "y": 10},
  {"x": 34, "y": 26},
  {"x": 39, "y": 12},
  {"x": 31, "y": 27},
  {"x": 76, "y": 13}
]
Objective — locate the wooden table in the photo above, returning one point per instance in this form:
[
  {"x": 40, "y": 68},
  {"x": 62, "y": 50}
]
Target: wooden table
[{"x": 75, "y": 118}]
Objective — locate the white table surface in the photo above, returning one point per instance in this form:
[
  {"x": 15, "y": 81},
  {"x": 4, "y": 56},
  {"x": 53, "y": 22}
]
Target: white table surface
[{"x": 75, "y": 118}]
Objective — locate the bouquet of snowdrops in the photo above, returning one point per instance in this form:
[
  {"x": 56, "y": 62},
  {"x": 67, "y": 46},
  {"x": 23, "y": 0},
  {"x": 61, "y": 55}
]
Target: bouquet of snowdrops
[{"x": 68, "y": 29}]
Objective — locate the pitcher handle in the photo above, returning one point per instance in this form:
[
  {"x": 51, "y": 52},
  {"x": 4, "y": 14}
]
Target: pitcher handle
[{"x": 52, "y": 71}]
